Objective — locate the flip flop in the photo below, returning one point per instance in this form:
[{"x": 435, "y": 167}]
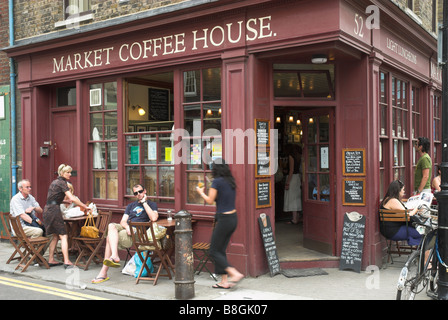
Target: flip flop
[
  {"x": 111, "y": 263},
  {"x": 55, "y": 264},
  {"x": 218, "y": 286},
  {"x": 99, "y": 279}
]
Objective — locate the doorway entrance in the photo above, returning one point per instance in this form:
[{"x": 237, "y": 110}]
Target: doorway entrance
[{"x": 311, "y": 130}]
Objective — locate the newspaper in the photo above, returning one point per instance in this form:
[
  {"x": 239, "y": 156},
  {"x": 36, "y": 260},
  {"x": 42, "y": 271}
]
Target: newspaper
[{"x": 422, "y": 198}]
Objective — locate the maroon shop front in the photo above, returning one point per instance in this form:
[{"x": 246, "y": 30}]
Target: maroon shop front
[{"x": 154, "y": 101}]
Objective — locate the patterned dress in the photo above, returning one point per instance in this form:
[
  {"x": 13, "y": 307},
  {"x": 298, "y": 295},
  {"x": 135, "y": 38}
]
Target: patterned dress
[{"x": 53, "y": 220}]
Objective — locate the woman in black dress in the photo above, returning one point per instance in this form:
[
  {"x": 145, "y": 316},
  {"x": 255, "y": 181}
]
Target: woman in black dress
[{"x": 52, "y": 216}]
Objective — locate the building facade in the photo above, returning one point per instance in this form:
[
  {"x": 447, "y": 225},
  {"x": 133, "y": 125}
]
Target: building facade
[{"x": 151, "y": 93}]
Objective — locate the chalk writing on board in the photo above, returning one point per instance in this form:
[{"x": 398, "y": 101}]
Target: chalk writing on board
[
  {"x": 353, "y": 161},
  {"x": 267, "y": 236},
  {"x": 352, "y": 241}
]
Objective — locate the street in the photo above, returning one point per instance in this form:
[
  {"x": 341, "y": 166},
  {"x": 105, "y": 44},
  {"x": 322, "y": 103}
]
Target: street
[{"x": 15, "y": 287}]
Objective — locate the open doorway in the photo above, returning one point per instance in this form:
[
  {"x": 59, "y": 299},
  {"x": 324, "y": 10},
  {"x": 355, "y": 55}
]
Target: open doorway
[{"x": 309, "y": 132}]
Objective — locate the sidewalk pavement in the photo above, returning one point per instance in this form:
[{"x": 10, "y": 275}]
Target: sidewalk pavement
[{"x": 336, "y": 285}]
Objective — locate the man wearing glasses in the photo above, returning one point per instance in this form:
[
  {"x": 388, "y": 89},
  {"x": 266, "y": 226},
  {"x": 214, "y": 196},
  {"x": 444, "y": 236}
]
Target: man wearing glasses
[
  {"x": 25, "y": 206},
  {"x": 119, "y": 234}
]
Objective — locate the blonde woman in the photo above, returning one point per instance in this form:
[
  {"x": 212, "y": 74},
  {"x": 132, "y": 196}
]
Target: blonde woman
[{"x": 53, "y": 220}]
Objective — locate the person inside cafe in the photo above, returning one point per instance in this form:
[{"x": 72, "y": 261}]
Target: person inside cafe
[
  {"x": 52, "y": 215},
  {"x": 119, "y": 234},
  {"x": 397, "y": 230},
  {"x": 25, "y": 206}
]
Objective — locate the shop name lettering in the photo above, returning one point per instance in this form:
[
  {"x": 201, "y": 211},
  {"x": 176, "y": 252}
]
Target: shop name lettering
[
  {"x": 398, "y": 49},
  {"x": 253, "y": 29}
]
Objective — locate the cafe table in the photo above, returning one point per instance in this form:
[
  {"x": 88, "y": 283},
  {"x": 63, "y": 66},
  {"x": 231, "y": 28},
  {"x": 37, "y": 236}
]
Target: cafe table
[{"x": 73, "y": 226}]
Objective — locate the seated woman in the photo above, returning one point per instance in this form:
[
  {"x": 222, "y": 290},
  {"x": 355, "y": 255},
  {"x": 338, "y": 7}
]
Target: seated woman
[{"x": 397, "y": 230}]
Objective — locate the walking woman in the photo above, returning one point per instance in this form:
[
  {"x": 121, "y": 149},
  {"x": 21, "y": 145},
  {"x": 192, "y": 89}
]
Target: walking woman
[
  {"x": 53, "y": 220},
  {"x": 223, "y": 191}
]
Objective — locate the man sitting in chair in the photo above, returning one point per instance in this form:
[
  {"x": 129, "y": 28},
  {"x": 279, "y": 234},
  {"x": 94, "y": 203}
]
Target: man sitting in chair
[
  {"x": 119, "y": 234},
  {"x": 24, "y": 205}
]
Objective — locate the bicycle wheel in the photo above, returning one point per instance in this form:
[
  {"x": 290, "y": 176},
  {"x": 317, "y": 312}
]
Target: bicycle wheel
[
  {"x": 434, "y": 272},
  {"x": 409, "y": 279}
]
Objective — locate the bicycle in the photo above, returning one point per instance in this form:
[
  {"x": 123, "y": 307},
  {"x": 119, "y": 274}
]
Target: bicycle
[{"x": 421, "y": 268}]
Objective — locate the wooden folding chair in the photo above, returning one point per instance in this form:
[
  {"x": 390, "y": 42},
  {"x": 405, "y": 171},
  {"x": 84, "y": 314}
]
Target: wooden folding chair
[
  {"x": 142, "y": 242},
  {"x": 33, "y": 246},
  {"x": 89, "y": 248},
  {"x": 16, "y": 243},
  {"x": 396, "y": 246},
  {"x": 201, "y": 252}
]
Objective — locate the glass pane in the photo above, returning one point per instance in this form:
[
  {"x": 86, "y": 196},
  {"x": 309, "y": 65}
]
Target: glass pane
[
  {"x": 404, "y": 124},
  {"x": 383, "y": 119},
  {"x": 150, "y": 177},
  {"x": 324, "y": 128},
  {"x": 133, "y": 176},
  {"x": 312, "y": 130},
  {"x": 315, "y": 85},
  {"x": 212, "y": 116},
  {"x": 192, "y": 181},
  {"x": 66, "y": 96},
  {"x": 383, "y": 98},
  {"x": 324, "y": 185},
  {"x": 192, "y": 118},
  {"x": 96, "y": 126},
  {"x": 165, "y": 149},
  {"x": 312, "y": 186},
  {"x": 99, "y": 155},
  {"x": 110, "y": 122},
  {"x": 398, "y": 94},
  {"x": 312, "y": 159},
  {"x": 149, "y": 149},
  {"x": 404, "y": 103},
  {"x": 394, "y": 102},
  {"x": 396, "y": 155},
  {"x": 132, "y": 150},
  {"x": 99, "y": 185},
  {"x": 112, "y": 185},
  {"x": 112, "y": 155},
  {"x": 195, "y": 157},
  {"x": 399, "y": 121},
  {"x": 95, "y": 97},
  {"x": 211, "y": 83},
  {"x": 192, "y": 86},
  {"x": 166, "y": 186},
  {"x": 286, "y": 84},
  {"x": 110, "y": 96}
]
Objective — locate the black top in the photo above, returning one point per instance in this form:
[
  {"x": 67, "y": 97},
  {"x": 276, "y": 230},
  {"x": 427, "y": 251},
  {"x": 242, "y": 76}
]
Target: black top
[
  {"x": 390, "y": 228},
  {"x": 225, "y": 200}
]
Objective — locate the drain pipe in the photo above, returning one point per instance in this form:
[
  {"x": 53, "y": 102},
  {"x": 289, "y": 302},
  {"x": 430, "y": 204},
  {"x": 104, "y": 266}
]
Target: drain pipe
[{"x": 12, "y": 80}]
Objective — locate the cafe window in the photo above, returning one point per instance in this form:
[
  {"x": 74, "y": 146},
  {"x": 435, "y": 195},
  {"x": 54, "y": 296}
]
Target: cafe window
[
  {"x": 303, "y": 81},
  {"x": 103, "y": 139},
  {"x": 202, "y": 122},
  {"x": 149, "y": 157},
  {"x": 399, "y": 124}
]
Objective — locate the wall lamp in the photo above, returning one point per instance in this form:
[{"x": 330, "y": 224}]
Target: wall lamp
[
  {"x": 140, "y": 110},
  {"x": 319, "y": 58}
]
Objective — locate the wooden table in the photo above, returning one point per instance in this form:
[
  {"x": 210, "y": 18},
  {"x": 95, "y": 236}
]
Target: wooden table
[{"x": 73, "y": 227}]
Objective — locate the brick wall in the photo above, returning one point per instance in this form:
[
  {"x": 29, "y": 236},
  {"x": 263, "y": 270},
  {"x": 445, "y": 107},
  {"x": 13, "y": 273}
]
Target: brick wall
[
  {"x": 39, "y": 16},
  {"x": 4, "y": 42}
]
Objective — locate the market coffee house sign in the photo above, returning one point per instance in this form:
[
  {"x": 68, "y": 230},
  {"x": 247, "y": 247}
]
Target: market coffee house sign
[{"x": 236, "y": 33}]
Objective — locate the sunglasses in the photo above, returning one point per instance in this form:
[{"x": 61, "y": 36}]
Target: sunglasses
[{"x": 139, "y": 191}]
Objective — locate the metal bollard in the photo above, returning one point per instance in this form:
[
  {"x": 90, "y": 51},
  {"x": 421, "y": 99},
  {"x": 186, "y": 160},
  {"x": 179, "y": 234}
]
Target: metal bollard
[{"x": 184, "y": 277}]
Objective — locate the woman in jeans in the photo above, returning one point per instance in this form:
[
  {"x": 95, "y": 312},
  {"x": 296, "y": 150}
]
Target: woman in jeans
[{"x": 223, "y": 191}]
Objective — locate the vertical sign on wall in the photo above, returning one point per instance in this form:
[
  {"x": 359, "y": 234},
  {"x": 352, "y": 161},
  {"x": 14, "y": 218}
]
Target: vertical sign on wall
[{"x": 5, "y": 151}]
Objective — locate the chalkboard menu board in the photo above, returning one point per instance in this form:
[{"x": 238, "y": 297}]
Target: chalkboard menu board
[
  {"x": 352, "y": 241},
  {"x": 269, "y": 244},
  {"x": 159, "y": 104},
  {"x": 263, "y": 163},
  {"x": 262, "y": 193},
  {"x": 354, "y": 162},
  {"x": 262, "y": 132},
  {"x": 353, "y": 192}
]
